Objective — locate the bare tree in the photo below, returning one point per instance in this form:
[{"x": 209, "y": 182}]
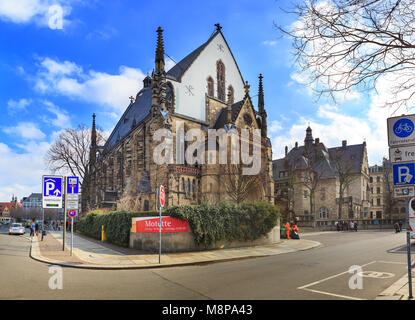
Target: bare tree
[
  {"x": 344, "y": 171},
  {"x": 344, "y": 45},
  {"x": 238, "y": 186},
  {"x": 70, "y": 153},
  {"x": 312, "y": 172}
]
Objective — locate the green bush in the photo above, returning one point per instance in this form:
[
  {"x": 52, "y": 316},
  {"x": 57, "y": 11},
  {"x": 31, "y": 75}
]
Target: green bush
[{"x": 212, "y": 224}]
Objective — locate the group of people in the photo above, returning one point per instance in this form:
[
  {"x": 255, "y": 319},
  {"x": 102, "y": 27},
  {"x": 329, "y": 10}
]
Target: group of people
[
  {"x": 290, "y": 232},
  {"x": 398, "y": 226},
  {"x": 346, "y": 226}
]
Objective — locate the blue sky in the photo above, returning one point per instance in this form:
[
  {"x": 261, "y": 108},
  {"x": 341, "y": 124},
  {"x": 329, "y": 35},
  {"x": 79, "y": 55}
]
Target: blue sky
[{"x": 55, "y": 76}]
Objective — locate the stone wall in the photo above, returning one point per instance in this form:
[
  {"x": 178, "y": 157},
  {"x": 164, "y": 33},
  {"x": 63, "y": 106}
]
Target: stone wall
[{"x": 184, "y": 241}]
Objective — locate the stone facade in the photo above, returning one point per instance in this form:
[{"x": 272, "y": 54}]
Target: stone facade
[
  {"x": 309, "y": 180},
  {"x": 184, "y": 98},
  {"x": 383, "y": 203}
]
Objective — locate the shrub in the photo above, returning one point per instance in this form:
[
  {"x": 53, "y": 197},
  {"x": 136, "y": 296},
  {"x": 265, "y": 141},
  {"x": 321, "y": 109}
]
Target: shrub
[{"x": 211, "y": 224}]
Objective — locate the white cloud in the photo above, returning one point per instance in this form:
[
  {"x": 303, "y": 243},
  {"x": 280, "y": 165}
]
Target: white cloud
[
  {"x": 332, "y": 125},
  {"x": 62, "y": 119},
  {"x": 69, "y": 79},
  {"x": 21, "y": 172},
  {"x": 14, "y": 106},
  {"x": 50, "y": 13},
  {"x": 26, "y": 130},
  {"x": 270, "y": 43}
]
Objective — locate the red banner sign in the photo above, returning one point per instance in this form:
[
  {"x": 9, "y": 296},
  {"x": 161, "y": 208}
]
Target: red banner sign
[{"x": 168, "y": 224}]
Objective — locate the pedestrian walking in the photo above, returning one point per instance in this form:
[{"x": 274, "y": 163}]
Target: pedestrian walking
[
  {"x": 37, "y": 228},
  {"x": 283, "y": 233},
  {"x": 400, "y": 225},
  {"x": 355, "y": 226},
  {"x": 59, "y": 225},
  {"x": 287, "y": 229},
  {"x": 32, "y": 228},
  {"x": 337, "y": 223}
]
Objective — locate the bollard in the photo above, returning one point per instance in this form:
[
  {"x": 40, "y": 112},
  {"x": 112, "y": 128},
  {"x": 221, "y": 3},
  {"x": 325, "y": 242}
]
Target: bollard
[{"x": 103, "y": 237}]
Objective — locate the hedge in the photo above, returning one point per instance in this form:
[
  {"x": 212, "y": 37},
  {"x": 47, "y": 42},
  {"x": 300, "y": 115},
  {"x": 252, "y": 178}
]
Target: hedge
[
  {"x": 209, "y": 224},
  {"x": 117, "y": 225},
  {"x": 212, "y": 224}
]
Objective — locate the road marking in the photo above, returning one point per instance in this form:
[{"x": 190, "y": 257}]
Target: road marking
[
  {"x": 334, "y": 295},
  {"x": 331, "y": 277},
  {"x": 393, "y": 262}
]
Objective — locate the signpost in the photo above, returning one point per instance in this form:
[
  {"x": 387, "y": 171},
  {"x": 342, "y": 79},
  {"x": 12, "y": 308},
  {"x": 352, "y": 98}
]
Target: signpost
[
  {"x": 162, "y": 201},
  {"x": 401, "y": 140},
  {"x": 51, "y": 195},
  {"x": 72, "y": 201}
]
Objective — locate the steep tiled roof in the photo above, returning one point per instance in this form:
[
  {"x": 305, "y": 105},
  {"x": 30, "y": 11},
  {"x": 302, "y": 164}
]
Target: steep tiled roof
[
  {"x": 132, "y": 117},
  {"x": 350, "y": 156}
]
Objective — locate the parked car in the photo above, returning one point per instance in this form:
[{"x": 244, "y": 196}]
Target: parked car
[{"x": 16, "y": 228}]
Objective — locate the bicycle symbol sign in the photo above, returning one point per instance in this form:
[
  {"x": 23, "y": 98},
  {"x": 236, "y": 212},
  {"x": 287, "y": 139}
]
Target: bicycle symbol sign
[
  {"x": 401, "y": 131},
  {"x": 403, "y": 128}
]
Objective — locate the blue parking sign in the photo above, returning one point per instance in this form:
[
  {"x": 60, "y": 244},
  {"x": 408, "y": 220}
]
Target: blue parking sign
[
  {"x": 404, "y": 174},
  {"x": 52, "y": 187}
]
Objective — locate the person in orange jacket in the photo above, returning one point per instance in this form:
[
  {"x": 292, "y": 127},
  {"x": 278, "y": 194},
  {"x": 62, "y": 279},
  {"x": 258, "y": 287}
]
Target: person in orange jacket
[
  {"x": 287, "y": 228},
  {"x": 296, "y": 232}
]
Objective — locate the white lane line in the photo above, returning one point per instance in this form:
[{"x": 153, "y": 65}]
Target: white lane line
[
  {"x": 334, "y": 295},
  {"x": 392, "y": 262},
  {"x": 331, "y": 277}
]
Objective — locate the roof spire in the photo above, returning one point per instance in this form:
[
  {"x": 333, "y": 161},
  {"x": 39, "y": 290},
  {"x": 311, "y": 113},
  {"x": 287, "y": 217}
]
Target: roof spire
[
  {"x": 308, "y": 137},
  {"x": 246, "y": 87},
  {"x": 261, "y": 108},
  {"x": 93, "y": 132},
  {"x": 160, "y": 52}
]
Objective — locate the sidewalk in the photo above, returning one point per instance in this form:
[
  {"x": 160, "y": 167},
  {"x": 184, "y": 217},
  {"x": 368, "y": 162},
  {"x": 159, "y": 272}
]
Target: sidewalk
[
  {"x": 399, "y": 290},
  {"x": 92, "y": 255}
]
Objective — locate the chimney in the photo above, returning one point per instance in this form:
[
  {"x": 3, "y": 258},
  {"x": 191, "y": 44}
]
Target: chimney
[
  {"x": 317, "y": 140},
  {"x": 344, "y": 143},
  {"x": 286, "y": 150},
  {"x": 296, "y": 145}
]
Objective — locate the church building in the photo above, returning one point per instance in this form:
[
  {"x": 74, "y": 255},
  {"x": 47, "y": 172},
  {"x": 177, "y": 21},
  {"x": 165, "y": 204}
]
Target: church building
[{"x": 204, "y": 91}]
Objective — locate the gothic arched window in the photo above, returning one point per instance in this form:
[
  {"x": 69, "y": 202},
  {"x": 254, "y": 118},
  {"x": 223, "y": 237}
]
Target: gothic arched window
[
  {"x": 231, "y": 94},
  {"x": 210, "y": 87},
  {"x": 220, "y": 71}
]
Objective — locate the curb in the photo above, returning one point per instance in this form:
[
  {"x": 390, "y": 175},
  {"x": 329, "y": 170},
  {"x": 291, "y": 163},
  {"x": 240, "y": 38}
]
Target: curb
[{"x": 35, "y": 254}]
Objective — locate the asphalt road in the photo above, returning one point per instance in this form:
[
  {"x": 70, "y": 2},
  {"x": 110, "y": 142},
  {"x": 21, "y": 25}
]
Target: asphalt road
[{"x": 320, "y": 273}]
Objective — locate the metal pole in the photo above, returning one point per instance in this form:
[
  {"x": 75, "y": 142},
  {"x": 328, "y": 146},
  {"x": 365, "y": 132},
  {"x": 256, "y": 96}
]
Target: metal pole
[
  {"x": 64, "y": 216},
  {"x": 43, "y": 221},
  {"x": 160, "y": 233},
  {"x": 408, "y": 249},
  {"x": 71, "y": 235}
]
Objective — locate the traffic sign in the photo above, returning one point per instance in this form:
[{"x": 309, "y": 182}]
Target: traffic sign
[
  {"x": 52, "y": 191},
  {"x": 162, "y": 196},
  {"x": 72, "y": 213},
  {"x": 402, "y": 154},
  {"x": 404, "y": 192},
  {"x": 403, "y": 174},
  {"x": 401, "y": 130},
  {"x": 72, "y": 185}
]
